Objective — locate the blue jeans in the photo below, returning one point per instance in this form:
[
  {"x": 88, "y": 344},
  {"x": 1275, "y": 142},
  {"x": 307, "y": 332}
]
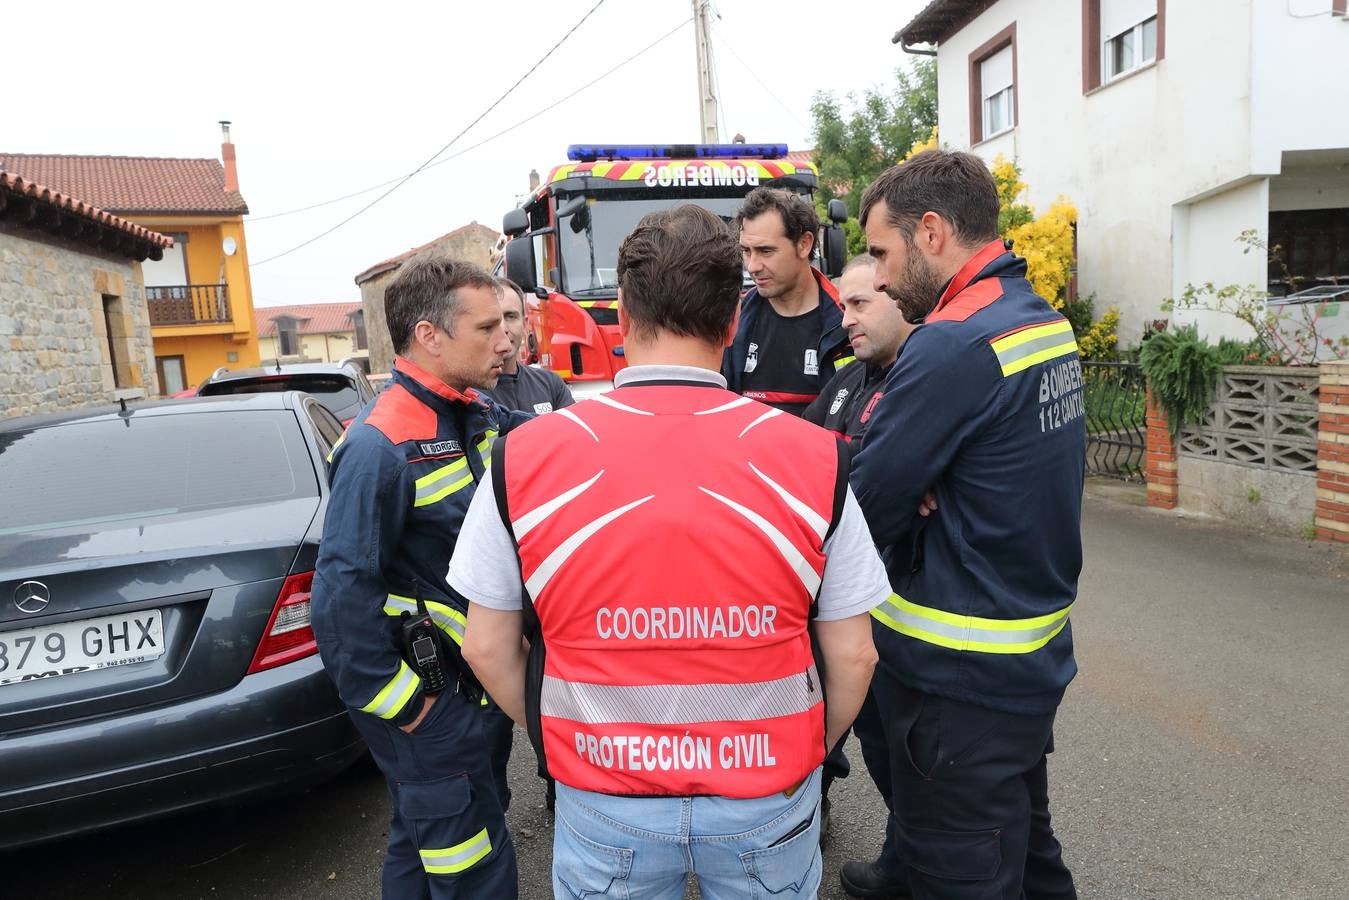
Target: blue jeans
[{"x": 621, "y": 847}]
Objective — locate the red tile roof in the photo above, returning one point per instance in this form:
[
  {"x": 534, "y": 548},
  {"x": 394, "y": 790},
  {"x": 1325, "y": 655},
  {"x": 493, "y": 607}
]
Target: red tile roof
[
  {"x": 801, "y": 157},
  {"x": 45, "y": 196},
  {"x": 315, "y": 318},
  {"x": 394, "y": 262},
  {"x": 134, "y": 185}
]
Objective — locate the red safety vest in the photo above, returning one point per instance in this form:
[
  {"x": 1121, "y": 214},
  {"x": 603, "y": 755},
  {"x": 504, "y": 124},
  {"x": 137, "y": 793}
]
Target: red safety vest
[{"x": 671, "y": 546}]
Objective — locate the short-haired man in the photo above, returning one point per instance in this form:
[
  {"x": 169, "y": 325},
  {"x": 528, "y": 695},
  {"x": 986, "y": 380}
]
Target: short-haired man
[
  {"x": 984, "y": 410},
  {"x": 876, "y": 332},
  {"x": 790, "y": 340},
  {"x": 527, "y": 388},
  {"x": 676, "y": 546},
  {"x": 401, "y": 480}
]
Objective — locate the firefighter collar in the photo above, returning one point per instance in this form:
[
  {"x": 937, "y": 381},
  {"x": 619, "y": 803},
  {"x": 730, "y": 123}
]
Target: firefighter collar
[
  {"x": 976, "y": 264},
  {"x": 431, "y": 382}
]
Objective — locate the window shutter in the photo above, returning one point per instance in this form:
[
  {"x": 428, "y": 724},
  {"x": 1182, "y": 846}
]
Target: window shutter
[
  {"x": 1118, "y": 16},
  {"x": 995, "y": 73}
]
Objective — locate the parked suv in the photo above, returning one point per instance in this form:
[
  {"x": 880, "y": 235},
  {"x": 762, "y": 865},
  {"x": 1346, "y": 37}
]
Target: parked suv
[
  {"x": 155, "y": 646},
  {"x": 340, "y": 386}
]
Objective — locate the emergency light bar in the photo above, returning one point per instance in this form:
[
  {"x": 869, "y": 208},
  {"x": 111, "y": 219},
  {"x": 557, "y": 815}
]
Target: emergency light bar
[{"x": 592, "y": 152}]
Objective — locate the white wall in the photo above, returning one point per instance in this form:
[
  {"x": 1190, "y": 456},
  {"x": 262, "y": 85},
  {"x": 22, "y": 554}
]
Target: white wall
[
  {"x": 1206, "y": 250},
  {"x": 1126, "y": 153},
  {"x": 1299, "y": 80}
]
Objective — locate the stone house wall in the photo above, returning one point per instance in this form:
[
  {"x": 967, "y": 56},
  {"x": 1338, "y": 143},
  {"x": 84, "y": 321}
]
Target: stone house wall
[{"x": 74, "y": 326}]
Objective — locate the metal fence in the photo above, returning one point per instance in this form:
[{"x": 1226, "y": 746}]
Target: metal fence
[
  {"x": 1265, "y": 418},
  {"x": 1116, "y": 426}
]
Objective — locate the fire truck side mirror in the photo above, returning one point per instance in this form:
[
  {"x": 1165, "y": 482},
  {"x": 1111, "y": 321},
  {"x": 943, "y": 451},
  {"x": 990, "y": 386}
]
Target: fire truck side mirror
[
  {"x": 515, "y": 222},
  {"x": 520, "y": 263},
  {"x": 835, "y": 253},
  {"x": 838, "y": 211}
]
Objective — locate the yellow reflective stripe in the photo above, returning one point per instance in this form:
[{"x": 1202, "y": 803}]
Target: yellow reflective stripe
[
  {"x": 1031, "y": 346},
  {"x": 459, "y": 857},
  {"x": 340, "y": 439},
  {"x": 395, "y": 695},
  {"x": 840, "y": 363},
  {"x": 972, "y": 633},
  {"x": 433, "y": 487},
  {"x": 450, "y": 620}
]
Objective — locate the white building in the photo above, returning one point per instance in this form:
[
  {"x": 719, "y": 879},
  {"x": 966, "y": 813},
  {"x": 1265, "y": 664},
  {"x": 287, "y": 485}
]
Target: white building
[{"x": 1173, "y": 125}]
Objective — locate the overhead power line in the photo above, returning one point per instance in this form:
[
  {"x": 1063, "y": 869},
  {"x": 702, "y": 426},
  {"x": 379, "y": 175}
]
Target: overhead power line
[
  {"x": 487, "y": 140},
  {"x": 402, "y": 181}
]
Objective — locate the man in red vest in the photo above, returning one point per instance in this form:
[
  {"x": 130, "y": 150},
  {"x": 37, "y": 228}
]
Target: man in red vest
[{"x": 671, "y": 551}]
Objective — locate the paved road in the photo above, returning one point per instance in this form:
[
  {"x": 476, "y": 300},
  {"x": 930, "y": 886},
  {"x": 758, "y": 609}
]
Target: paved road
[{"x": 1202, "y": 750}]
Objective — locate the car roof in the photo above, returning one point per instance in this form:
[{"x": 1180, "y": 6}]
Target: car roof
[
  {"x": 155, "y": 408},
  {"x": 315, "y": 368}
]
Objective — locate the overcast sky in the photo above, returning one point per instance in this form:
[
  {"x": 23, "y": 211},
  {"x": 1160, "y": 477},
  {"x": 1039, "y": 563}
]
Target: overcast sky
[{"x": 329, "y": 99}]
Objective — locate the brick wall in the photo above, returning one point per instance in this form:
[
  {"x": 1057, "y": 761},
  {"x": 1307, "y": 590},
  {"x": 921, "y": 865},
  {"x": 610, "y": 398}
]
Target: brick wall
[
  {"x": 58, "y": 347},
  {"x": 1332, "y": 454},
  {"x": 1160, "y": 467}
]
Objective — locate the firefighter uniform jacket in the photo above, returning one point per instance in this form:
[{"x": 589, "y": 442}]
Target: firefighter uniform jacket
[
  {"x": 984, "y": 406},
  {"x": 401, "y": 478},
  {"x": 847, "y": 402},
  {"x": 673, "y": 591},
  {"x": 833, "y": 351}
]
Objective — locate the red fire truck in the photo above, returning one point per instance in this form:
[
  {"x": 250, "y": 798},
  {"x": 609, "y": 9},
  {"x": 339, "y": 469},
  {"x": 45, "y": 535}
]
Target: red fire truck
[{"x": 563, "y": 247}]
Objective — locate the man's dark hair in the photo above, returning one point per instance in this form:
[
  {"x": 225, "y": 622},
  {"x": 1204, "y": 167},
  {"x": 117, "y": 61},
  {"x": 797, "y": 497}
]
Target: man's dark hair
[
  {"x": 798, "y": 215},
  {"x": 426, "y": 288},
  {"x": 956, "y": 186},
  {"x": 507, "y": 284},
  {"x": 680, "y": 272}
]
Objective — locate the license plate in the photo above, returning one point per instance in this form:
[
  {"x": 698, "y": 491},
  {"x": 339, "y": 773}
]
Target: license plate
[{"x": 53, "y": 650}]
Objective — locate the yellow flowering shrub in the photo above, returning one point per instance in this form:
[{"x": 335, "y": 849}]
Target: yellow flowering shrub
[
  {"x": 1045, "y": 242},
  {"x": 919, "y": 146},
  {"x": 1100, "y": 340}
]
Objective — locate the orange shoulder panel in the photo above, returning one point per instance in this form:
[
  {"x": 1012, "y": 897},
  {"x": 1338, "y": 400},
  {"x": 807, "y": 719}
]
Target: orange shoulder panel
[
  {"x": 969, "y": 301},
  {"x": 400, "y": 417}
]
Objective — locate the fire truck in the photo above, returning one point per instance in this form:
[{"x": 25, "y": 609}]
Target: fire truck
[{"x": 563, "y": 242}]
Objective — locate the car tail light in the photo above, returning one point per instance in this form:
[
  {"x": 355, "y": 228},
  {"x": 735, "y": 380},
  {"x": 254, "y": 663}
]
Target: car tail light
[{"x": 289, "y": 635}]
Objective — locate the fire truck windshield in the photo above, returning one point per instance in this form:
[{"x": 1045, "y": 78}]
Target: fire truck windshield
[{"x": 590, "y": 257}]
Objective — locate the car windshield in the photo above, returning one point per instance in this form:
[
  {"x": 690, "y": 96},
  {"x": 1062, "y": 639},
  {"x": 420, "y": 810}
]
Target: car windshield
[
  {"x": 139, "y": 467},
  {"x": 590, "y": 258},
  {"x": 333, "y": 391}
]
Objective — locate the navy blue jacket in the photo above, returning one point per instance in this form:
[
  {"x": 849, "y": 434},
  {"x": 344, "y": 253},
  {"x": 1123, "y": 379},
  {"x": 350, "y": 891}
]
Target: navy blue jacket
[
  {"x": 834, "y": 350},
  {"x": 985, "y": 407},
  {"x": 402, "y": 477}
]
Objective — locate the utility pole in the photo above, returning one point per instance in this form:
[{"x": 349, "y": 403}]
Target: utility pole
[{"x": 707, "y": 87}]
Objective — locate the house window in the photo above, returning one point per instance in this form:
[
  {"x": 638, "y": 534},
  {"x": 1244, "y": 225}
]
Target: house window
[
  {"x": 1119, "y": 37},
  {"x": 287, "y": 335},
  {"x": 358, "y": 325},
  {"x": 996, "y": 83},
  {"x": 1128, "y": 35},
  {"x": 172, "y": 374},
  {"x": 1311, "y": 246},
  {"x": 171, "y": 270},
  {"x": 993, "y": 86}
]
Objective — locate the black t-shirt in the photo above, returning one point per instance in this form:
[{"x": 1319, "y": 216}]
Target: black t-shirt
[
  {"x": 782, "y": 365},
  {"x": 532, "y": 390},
  {"x": 847, "y": 402}
]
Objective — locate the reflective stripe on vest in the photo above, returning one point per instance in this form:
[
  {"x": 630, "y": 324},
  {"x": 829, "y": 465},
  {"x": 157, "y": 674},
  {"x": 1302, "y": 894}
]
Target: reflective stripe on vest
[
  {"x": 1022, "y": 349},
  {"x": 440, "y": 483},
  {"x": 678, "y": 704},
  {"x": 969, "y": 632},
  {"x": 450, "y": 620},
  {"x": 395, "y": 695},
  {"x": 840, "y": 363},
  {"x": 459, "y": 857}
]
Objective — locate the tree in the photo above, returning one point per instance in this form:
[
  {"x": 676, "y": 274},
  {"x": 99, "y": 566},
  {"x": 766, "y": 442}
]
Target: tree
[{"x": 854, "y": 145}]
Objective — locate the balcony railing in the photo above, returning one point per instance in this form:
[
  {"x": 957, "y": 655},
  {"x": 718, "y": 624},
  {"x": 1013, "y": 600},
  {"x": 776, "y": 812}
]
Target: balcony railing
[{"x": 188, "y": 304}]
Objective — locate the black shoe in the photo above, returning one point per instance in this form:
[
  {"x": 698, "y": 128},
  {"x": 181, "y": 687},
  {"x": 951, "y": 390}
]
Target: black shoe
[
  {"x": 824, "y": 821},
  {"x": 869, "y": 881}
]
